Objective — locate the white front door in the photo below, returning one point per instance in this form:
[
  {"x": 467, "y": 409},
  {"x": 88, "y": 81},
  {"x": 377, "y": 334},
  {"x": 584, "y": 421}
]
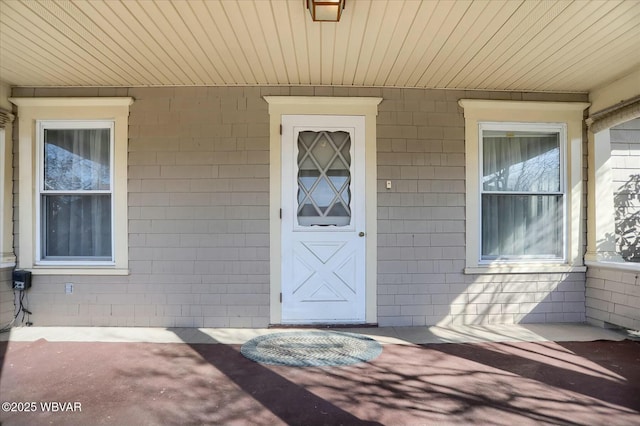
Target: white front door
[{"x": 323, "y": 219}]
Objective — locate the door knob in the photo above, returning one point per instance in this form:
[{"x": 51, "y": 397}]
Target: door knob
[{"x": 361, "y": 234}]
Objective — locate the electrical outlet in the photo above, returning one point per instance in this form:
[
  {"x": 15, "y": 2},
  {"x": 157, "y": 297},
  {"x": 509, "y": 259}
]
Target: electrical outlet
[{"x": 68, "y": 288}]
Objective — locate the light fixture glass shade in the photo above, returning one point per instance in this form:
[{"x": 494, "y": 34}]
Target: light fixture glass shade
[{"x": 325, "y": 10}]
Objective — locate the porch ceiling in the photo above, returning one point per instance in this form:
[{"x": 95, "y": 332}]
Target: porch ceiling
[{"x": 491, "y": 45}]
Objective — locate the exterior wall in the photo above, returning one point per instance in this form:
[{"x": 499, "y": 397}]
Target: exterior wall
[
  {"x": 198, "y": 196},
  {"x": 198, "y": 217},
  {"x": 613, "y": 298},
  {"x": 6, "y": 296},
  {"x": 625, "y": 157},
  {"x": 613, "y": 292},
  {"x": 421, "y": 224}
]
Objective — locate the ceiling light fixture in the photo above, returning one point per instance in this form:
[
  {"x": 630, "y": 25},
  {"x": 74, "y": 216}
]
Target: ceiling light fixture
[{"x": 325, "y": 10}]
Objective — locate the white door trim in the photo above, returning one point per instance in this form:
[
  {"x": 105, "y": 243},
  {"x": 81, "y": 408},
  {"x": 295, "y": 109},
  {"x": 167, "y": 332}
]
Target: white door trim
[{"x": 288, "y": 105}]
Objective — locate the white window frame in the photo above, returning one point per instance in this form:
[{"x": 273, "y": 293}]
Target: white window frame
[
  {"x": 43, "y": 125},
  {"x": 567, "y": 114},
  {"x": 561, "y": 130},
  {"x": 31, "y": 112}
]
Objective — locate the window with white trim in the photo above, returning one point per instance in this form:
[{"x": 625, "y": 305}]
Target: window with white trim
[
  {"x": 525, "y": 210},
  {"x": 73, "y": 185},
  {"x": 522, "y": 191},
  {"x": 75, "y": 201}
]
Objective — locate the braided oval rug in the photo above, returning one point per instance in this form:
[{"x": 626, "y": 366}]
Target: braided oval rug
[{"x": 313, "y": 348}]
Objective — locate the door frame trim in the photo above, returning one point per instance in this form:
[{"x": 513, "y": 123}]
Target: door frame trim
[{"x": 314, "y": 105}]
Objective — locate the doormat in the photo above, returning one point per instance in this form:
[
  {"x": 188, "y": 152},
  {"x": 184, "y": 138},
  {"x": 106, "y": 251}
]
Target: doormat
[{"x": 313, "y": 348}]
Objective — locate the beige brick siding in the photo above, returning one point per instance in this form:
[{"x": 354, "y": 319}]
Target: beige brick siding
[
  {"x": 613, "y": 295},
  {"x": 625, "y": 159},
  {"x": 6, "y": 297},
  {"x": 421, "y": 224},
  {"x": 504, "y": 299},
  {"x": 198, "y": 217},
  {"x": 613, "y": 298}
]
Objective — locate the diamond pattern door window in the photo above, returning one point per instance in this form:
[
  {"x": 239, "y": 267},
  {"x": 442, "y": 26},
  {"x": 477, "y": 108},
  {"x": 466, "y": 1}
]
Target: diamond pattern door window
[{"x": 324, "y": 178}]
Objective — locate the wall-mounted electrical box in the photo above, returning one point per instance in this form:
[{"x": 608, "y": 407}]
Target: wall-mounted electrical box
[{"x": 21, "y": 280}]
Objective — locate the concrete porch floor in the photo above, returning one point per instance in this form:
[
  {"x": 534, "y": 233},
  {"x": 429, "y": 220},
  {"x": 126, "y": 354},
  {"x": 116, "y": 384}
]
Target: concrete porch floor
[
  {"x": 499, "y": 375},
  {"x": 384, "y": 335}
]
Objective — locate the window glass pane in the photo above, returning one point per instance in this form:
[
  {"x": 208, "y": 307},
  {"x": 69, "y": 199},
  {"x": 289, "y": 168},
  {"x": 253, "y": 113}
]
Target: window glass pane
[
  {"x": 521, "y": 225},
  {"x": 77, "y": 226},
  {"x": 324, "y": 178},
  {"x": 521, "y": 161},
  {"x": 76, "y": 159}
]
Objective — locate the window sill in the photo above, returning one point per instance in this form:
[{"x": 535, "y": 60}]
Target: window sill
[
  {"x": 537, "y": 268},
  {"x": 79, "y": 270},
  {"x": 618, "y": 266}
]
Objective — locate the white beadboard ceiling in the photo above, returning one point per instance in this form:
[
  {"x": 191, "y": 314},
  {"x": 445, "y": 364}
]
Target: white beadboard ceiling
[{"x": 529, "y": 45}]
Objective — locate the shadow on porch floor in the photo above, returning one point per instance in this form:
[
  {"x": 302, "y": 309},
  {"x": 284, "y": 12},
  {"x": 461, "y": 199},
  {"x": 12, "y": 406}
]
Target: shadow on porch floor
[{"x": 149, "y": 376}]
